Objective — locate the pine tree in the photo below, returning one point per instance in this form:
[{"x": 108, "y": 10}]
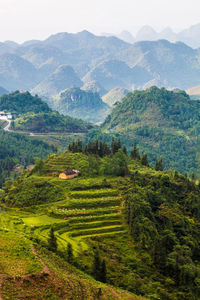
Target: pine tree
[
  {"x": 96, "y": 266},
  {"x": 144, "y": 160},
  {"x": 124, "y": 150},
  {"x": 52, "y": 242},
  {"x": 97, "y": 147},
  {"x": 135, "y": 153},
  {"x": 159, "y": 165},
  {"x": 70, "y": 256},
  {"x": 103, "y": 271},
  {"x": 193, "y": 177},
  {"x": 113, "y": 146},
  {"x": 101, "y": 149},
  {"x": 79, "y": 146},
  {"x": 118, "y": 145}
]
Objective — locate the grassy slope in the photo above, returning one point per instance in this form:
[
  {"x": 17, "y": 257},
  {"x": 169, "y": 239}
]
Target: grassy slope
[{"x": 56, "y": 279}]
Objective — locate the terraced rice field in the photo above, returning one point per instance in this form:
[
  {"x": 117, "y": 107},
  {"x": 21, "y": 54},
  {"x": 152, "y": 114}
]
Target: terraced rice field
[{"x": 84, "y": 214}]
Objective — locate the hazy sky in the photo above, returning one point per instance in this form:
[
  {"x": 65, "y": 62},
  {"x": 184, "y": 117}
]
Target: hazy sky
[{"x": 21, "y": 20}]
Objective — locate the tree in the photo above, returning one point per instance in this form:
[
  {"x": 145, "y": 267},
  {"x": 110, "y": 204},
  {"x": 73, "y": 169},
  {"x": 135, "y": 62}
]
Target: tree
[
  {"x": 39, "y": 165},
  {"x": 103, "y": 271},
  {"x": 70, "y": 256},
  {"x": 159, "y": 165},
  {"x": 144, "y": 160},
  {"x": 193, "y": 177},
  {"x": 124, "y": 150},
  {"x": 99, "y": 268},
  {"x": 135, "y": 153},
  {"x": 96, "y": 266},
  {"x": 52, "y": 242}
]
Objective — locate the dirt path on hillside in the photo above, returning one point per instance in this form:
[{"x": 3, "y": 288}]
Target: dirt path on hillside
[
  {"x": 45, "y": 269},
  {"x": 44, "y": 272}
]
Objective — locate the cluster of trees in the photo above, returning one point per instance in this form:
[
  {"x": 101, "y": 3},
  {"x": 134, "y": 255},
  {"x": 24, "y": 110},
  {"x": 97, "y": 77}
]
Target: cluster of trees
[
  {"x": 98, "y": 147},
  {"x": 103, "y": 149},
  {"x": 163, "y": 217},
  {"x": 115, "y": 156}
]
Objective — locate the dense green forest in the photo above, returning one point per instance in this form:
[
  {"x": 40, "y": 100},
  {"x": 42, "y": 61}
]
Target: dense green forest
[
  {"x": 22, "y": 102},
  {"x": 50, "y": 122},
  {"x": 18, "y": 149}
]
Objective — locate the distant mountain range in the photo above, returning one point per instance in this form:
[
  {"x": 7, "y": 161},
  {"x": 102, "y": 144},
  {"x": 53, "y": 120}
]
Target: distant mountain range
[
  {"x": 189, "y": 36},
  {"x": 96, "y": 64},
  {"x": 195, "y": 91}
]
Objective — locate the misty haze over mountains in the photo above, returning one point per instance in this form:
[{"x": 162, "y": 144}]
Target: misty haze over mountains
[
  {"x": 100, "y": 63},
  {"x": 189, "y": 36}
]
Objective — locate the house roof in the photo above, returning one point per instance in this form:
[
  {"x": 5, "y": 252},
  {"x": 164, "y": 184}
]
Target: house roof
[{"x": 71, "y": 172}]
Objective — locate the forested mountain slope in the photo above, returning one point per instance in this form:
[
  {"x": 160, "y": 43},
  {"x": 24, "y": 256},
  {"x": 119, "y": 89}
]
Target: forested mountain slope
[
  {"x": 22, "y": 102},
  {"x": 164, "y": 123}
]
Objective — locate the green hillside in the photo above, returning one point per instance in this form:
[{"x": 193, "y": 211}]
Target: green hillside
[
  {"x": 30, "y": 272},
  {"x": 163, "y": 123},
  {"x": 143, "y": 227},
  {"x": 50, "y": 122},
  {"x": 22, "y": 102}
]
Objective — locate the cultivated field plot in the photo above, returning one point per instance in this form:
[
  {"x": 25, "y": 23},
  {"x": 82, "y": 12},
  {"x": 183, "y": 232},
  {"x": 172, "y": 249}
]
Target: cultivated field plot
[{"x": 89, "y": 210}]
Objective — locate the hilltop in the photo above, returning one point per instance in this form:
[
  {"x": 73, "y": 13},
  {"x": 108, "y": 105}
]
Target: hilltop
[
  {"x": 94, "y": 87},
  {"x": 81, "y": 104},
  {"x": 114, "y": 73},
  {"x": 164, "y": 123},
  {"x": 3, "y": 91},
  {"x": 194, "y": 91},
  {"x": 64, "y": 77},
  {"x": 17, "y": 73},
  {"x": 115, "y": 95},
  {"x": 22, "y": 102}
]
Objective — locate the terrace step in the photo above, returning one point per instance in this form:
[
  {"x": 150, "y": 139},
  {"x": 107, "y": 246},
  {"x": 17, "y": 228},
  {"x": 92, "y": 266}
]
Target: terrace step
[
  {"x": 92, "y": 218},
  {"x": 95, "y": 224},
  {"x": 96, "y": 230},
  {"x": 103, "y": 234},
  {"x": 68, "y": 213}
]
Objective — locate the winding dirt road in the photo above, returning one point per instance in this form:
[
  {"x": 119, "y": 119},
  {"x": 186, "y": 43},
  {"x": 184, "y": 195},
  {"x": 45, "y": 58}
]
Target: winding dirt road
[{"x": 5, "y": 118}]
